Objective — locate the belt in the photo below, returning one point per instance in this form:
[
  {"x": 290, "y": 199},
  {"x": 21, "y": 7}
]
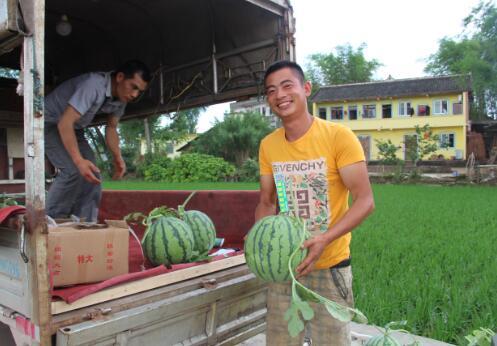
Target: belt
[{"x": 343, "y": 264}]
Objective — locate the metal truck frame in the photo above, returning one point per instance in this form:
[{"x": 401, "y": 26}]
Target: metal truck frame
[{"x": 202, "y": 52}]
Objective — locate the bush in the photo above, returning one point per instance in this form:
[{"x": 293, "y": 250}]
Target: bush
[
  {"x": 155, "y": 172},
  {"x": 147, "y": 160},
  {"x": 249, "y": 172},
  {"x": 387, "y": 152},
  {"x": 190, "y": 168}
]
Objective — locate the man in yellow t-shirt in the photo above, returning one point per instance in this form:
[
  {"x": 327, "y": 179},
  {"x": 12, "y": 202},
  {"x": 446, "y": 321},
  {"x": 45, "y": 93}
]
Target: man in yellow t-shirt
[{"x": 318, "y": 163}]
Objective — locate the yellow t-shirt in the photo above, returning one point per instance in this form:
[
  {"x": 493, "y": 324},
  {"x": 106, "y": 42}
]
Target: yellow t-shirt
[{"x": 309, "y": 167}]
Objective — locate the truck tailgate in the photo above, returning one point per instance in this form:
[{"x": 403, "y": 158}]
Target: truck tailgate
[{"x": 224, "y": 308}]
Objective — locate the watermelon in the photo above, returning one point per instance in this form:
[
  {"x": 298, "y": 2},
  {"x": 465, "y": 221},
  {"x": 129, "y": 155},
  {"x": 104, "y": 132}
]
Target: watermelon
[
  {"x": 168, "y": 240},
  {"x": 269, "y": 244},
  {"x": 204, "y": 232}
]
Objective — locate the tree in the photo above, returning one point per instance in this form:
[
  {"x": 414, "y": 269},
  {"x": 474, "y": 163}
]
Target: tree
[
  {"x": 346, "y": 65},
  {"x": 387, "y": 152},
  {"x": 133, "y": 131},
  {"x": 476, "y": 53},
  {"x": 236, "y": 138},
  {"x": 184, "y": 122},
  {"x": 181, "y": 124},
  {"x": 424, "y": 143}
]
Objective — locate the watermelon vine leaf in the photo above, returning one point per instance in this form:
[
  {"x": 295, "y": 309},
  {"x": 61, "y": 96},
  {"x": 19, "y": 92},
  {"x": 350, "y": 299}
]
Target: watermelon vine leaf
[
  {"x": 301, "y": 295},
  {"x": 136, "y": 217},
  {"x": 295, "y": 324},
  {"x": 196, "y": 257}
]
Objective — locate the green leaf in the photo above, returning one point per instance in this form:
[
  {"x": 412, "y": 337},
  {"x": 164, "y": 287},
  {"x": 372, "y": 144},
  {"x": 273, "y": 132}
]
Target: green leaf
[
  {"x": 359, "y": 317},
  {"x": 303, "y": 306},
  {"x": 295, "y": 324},
  {"x": 306, "y": 294},
  {"x": 338, "y": 311},
  {"x": 301, "y": 295},
  {"x": 306, "y": 310},
  {"x": 196, "y": 257},
  {"x": 134, "y": 217}
]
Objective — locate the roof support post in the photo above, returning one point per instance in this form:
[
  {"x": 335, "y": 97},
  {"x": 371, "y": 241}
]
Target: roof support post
[
  {"x": 148, "y": 139},
  {"x": 214, "y": 69},
  {"x": 34, "y": 158}
]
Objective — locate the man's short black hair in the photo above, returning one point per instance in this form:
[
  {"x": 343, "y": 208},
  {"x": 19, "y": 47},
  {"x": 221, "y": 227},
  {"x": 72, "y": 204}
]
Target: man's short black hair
[
  {"x": 130, "y": 67},
  {"x": 278, "y": 65}
]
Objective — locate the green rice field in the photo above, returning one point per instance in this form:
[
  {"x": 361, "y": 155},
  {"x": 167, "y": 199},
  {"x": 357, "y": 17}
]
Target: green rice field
[{"x": 427, "y": 255}]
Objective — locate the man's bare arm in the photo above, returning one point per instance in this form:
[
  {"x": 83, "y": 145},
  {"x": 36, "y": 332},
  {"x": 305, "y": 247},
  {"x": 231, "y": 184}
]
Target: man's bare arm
[
  {"x": 355, "y": 178},
  {"x": 267, "y": 201},
  {"x": 66, "y": 130},
  {"x": 112, "y": 141}
]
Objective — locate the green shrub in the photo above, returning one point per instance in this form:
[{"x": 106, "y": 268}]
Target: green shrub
[
  {"x": 148, "y": 159},
  {"x": 249, "y": 172},
  {"x": 387, "y": 152},
  {"x": 190, "y": 168},
  {"x": 155, "y": 172}
]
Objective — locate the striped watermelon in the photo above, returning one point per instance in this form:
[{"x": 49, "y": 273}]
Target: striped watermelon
[
  {"x": 204, "y": 233},
  {"x": 168, "y": 240},
  {"x": 269, "y": 245}
]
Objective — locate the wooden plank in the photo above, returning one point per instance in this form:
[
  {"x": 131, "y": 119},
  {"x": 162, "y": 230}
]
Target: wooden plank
[
  {"x": 34, "y": 159},
  {"x": 146, "y": 297},
  {"x": 148, "y": 284}
]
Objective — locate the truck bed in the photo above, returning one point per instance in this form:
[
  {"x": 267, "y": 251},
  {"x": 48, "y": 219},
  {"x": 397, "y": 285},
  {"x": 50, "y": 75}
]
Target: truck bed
[{"x": 221, "y": 308}]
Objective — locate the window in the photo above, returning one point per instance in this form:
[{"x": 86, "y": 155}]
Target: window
[
  {"x": 386, "y": 111},
  {"x": 457, "y": 108},
  {"x": 353, "y": 112},
  {"x": 440, "y": 107},
  {"x": 423, "y": 110},
  {"x": 447, "y": 140},
  {"x": 405, "y": 109},
  {"x": 336, "y": 113},
  {"x": 369, "y": 111},
  {"x": 322, "y": 113}
]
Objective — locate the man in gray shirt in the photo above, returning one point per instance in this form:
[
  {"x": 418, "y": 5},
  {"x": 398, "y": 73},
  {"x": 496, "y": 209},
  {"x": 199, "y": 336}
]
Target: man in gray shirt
[{"x": 70, "y": 108}]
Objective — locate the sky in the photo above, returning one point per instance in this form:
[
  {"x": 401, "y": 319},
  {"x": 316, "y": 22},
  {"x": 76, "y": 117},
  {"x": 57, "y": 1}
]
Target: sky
[{"x": 400, "y": 34}]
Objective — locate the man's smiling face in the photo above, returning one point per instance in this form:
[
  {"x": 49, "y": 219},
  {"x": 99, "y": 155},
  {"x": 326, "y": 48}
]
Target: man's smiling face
[{"x": 286, "y": 93}]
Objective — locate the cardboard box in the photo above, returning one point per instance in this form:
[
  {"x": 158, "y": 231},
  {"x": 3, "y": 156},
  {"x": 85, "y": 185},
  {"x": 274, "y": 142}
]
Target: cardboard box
[{"x": 81, "y": 253}]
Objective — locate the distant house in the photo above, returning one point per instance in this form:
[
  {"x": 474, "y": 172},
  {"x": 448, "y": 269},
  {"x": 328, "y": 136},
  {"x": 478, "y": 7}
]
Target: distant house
[
  {"x": 257, "y": 105},
  {"x": 390, "y": 109},
  {"x": 171, "y": 148}
]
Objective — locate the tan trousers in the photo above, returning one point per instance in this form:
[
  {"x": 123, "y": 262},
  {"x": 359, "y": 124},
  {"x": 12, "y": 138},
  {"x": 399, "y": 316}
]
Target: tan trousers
[{"x": 323, "y": 329}]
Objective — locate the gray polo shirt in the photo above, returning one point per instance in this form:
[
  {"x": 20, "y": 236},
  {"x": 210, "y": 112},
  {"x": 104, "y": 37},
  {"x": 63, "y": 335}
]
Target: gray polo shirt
[{"x": 89, "y": 94}]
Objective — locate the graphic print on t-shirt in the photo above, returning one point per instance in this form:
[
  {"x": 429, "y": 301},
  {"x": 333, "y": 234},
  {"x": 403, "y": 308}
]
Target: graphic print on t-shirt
[{"x": 306, "y": 183}]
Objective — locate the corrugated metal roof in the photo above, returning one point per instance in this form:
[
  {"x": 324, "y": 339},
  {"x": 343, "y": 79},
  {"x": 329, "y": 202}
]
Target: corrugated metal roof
[{"x": 394, "y": 88}]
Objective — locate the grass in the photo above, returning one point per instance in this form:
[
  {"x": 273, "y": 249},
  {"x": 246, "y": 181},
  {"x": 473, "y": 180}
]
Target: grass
[
  {"x": 427, "y": 255},
  {"x": 144, "y": 185}
]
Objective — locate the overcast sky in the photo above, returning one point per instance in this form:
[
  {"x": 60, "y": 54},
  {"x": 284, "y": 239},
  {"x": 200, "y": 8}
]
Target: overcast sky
[{"x": 400, "y": 34}]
